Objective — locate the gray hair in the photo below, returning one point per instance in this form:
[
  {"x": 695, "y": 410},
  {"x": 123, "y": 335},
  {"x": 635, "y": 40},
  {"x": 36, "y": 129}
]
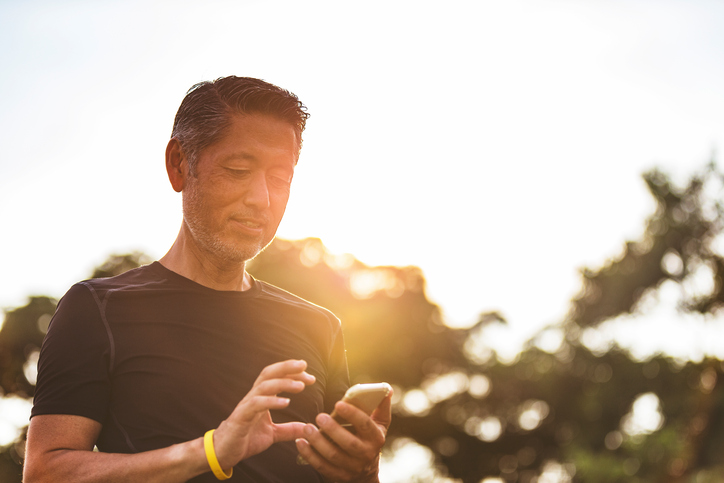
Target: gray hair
[{"x": 208, "y": 108}]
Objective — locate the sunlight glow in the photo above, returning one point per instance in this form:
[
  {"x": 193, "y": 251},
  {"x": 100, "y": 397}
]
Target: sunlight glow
[
  {"x": 479, "y": 386},
  {"x": 645, "y": 416},
  {"x": 14, "y": 414},
  {"x": 550, "y": 340},
  {"x": 410, "y": 462},
  {"x": 532, "y": 414},
  {"x": 554, "y": 472},
  {"x": 311, "y": 254},
  {"x": 364, "y": 283},
  {"x": 30, "y": 369},
  {"x": 445, "y": 386},
  {"x": 494, "y": 339},
  {"x": 659, "y": 326},
  {"x": 486, "y": 429},
  {"x": 700, "y": 281},
  {"x": 416, "y": 402}
]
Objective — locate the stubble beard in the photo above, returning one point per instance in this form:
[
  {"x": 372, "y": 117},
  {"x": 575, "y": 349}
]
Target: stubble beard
[{"x": 196, "y": 212}]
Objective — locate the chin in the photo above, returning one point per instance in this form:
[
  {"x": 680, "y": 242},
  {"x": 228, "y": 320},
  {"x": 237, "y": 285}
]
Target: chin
[{"x": 233, "y": 252}]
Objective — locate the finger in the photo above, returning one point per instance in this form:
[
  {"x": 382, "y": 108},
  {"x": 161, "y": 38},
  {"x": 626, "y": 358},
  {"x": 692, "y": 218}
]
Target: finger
[
  {"x": 288, "y": 431},
  {"x": 333, "y": 432},
  {"x": 383, "y": 414},
  {"x": 314, "y": 459},
  {"x": 286, "y": 369},
  {"x": 336, "y": 444},
  {"x": 275, "y": 386},
  {"x": 365, "y": 427},
  {"x": 305, "y": 377},
  {"x": 251, "y": 407}
]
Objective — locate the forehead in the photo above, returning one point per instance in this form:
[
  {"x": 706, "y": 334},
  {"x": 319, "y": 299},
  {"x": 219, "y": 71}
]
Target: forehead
[{"x": 257, "y": 136}]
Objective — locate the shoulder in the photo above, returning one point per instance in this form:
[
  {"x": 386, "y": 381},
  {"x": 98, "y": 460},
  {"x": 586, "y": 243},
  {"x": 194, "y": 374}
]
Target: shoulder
[
  {"x": 139, "y": 277},
  {"x": 288, "y": 300},
  {"x": 85, "y": 300}
]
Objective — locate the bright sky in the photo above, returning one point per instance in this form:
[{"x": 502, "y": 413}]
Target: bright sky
[{"x": 496, "y": 145}]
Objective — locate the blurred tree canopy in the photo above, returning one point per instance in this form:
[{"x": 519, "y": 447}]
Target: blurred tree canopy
[
  {"x": 21, "y": 336},
  {"x": 561, "y": 411}
]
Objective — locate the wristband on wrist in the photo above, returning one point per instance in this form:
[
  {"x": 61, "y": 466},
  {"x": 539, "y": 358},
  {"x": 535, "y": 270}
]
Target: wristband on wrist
[{"x": 211, "y": 457}]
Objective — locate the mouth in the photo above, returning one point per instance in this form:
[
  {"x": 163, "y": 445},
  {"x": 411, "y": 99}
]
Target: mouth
[{"x": 250, "y": 225}]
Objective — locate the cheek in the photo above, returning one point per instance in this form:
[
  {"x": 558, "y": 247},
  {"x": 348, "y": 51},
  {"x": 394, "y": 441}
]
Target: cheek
[{"x": 279, "y": 203}]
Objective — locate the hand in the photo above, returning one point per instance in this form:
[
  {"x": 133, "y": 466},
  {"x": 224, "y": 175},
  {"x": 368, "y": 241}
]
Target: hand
[
  {"x": 341, "y": 455},
  {"x": 249, "y": 429}
]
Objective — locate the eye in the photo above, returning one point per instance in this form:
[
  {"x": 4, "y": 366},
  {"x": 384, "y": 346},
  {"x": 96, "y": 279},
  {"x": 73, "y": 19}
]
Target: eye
[
  {"x": 239, "y": 173},
  {"x": 280, "y": 181}
]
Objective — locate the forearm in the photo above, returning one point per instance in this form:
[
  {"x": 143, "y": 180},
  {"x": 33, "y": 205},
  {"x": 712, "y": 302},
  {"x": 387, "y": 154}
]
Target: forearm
[
  {"x": 368, "y": 478},
  {"x": 371, "y": 475},
  {"x": 177, "y": 463}
]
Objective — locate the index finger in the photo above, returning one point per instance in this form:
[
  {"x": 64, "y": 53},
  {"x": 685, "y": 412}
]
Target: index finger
[
  {"x": 364, "y": 426},
  {"x": 292, "y": 368}
]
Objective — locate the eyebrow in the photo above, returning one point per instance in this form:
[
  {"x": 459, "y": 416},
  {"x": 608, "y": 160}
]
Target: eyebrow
[{"x": 243, "y": 156}]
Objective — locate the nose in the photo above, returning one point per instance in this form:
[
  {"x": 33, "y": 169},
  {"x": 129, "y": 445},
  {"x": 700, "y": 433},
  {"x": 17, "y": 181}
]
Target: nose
[{"x": 257, "y": 193}]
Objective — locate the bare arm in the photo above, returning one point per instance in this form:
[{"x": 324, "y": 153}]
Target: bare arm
[{"x": 60, "y": 447}]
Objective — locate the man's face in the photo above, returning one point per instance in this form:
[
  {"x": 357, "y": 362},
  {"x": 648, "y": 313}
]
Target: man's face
[{"x": 235, "y": 201}]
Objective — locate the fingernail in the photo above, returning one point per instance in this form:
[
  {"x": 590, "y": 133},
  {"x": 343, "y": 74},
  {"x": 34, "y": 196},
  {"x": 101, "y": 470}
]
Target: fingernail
[
  {"x": 323, "y": 418},
  {"x": 308, "y": 430}
]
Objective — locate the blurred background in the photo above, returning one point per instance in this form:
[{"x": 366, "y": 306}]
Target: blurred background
[{"x": 514, "y": 207}]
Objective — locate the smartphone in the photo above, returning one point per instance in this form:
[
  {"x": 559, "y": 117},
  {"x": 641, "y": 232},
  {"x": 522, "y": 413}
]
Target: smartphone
[{"x": 364, "y": 396}]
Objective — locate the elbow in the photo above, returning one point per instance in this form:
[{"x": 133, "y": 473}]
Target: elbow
[
  {"x": 35, "y": 472},
  {"x": 31, "y": 474}
]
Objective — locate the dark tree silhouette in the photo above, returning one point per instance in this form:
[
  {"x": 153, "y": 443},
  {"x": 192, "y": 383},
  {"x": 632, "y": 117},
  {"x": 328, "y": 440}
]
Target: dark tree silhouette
[
  {"x": 559, "y": 407},
  {"x": 21, "y": 336}
]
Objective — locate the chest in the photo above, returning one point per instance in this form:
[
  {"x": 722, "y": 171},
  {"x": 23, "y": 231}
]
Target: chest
[{"x": 193, "y": 360}]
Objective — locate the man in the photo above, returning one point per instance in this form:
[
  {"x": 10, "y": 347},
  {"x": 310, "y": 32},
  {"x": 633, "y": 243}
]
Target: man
[{"x": 145, "y": 364}]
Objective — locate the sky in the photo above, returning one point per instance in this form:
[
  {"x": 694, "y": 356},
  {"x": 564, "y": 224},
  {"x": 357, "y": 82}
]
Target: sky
[{"x": 498, "y": 145}]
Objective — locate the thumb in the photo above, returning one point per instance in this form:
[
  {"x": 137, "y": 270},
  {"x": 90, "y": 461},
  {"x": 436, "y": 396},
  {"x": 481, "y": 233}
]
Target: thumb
[
  {"x": 383, "y": 414},
  {"x": 288, "y": 431}
]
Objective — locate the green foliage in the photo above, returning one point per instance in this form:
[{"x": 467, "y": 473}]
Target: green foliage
[
  {"x": 565, "y": 409},
  {"x": 570, "y": 406},
  {"x": 21, "y": 336},
  {"x": 117, "y": 264},
  {"x": 392, "y": 331},
  {"x": 684, "y": 226}
]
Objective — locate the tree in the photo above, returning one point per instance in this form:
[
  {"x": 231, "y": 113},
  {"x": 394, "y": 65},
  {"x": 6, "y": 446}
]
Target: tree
[
  {"x": 21, "y": 336},
  {"x": 565, "y": 409},
  {"x": 560, "y": 408}
]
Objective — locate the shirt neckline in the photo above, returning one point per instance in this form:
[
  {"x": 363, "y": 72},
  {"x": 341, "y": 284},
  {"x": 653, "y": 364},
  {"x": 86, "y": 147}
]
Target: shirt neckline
[{"x": 251, "y": 292}]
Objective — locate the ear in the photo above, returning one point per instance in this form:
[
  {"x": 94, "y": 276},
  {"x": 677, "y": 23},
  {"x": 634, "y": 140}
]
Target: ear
[{"x": 177, "y": 165}]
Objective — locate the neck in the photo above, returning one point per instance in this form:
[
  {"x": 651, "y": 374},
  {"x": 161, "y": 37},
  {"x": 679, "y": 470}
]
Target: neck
[{"x": 188, "y": 260}]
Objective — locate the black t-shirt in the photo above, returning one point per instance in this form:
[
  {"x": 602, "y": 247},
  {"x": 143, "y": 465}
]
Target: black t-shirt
[{"x": 158, "y": 359}]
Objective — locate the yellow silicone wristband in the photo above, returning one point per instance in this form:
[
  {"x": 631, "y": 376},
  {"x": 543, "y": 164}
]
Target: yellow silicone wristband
[{"x": 211, "y": 457}]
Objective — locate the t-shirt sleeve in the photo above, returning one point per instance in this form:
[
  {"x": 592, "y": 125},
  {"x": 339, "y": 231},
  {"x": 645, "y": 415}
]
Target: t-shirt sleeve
[
  {"x": 75, "y": 359},
  {"x": 338, "y": 375}
]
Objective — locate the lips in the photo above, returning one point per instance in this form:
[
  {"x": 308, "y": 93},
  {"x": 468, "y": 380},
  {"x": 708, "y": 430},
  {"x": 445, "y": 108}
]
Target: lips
[
  {"x": 255, "y": 225},
  {"x": 250, "y": 224}
]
